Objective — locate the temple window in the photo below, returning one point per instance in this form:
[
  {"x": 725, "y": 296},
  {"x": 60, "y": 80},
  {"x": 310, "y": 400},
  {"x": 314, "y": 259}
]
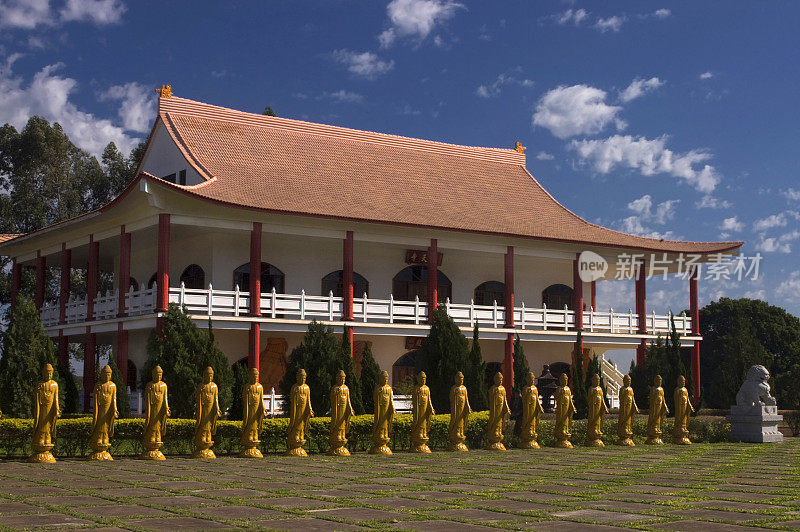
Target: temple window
[
  {"x": 556, "y": 296},
  {"x": 333, "y": 283},
  {"x": 193, "y": 277},
  {"x": 271, "y": 277},
  {"x": 489, "y": 292},
  {"x": 412, "y": 282}
]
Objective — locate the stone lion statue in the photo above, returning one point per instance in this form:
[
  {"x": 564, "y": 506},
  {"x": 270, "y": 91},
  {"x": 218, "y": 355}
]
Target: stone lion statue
[{"x": 755, "y": 390}]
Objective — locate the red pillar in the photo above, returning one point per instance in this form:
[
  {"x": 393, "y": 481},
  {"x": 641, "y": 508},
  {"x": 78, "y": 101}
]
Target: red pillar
[
  {"x": 594, "y": 295},
  {"x": 122, "y": 354},
  {"x": 89, "y": 350},
  {"x": 162, "y": 275},
  {"x": 577, "y": 294},
  {"x": 41, "y": 268},
  {"x": 66, "y": 278},
  {"x": 508, "y": 359},
  {"x": 92, "y": 271},
  {"x": 641, "y": 311},
  {"x": 694, "y": 310},
  {"x": 63, "y": 349},
  {"x": 254, "y": 341},
  {"x": 16, "y": 280},
  {"x": 433, "y": 278},
  {"x": 508, "y": 365},
  {"x": 347, "y": 284},
  {"x": 124, "y": 277}
]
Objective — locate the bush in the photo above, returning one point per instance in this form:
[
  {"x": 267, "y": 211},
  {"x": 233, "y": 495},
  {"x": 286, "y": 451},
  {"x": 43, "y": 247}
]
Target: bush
[
  {"x": 370, "y": 374},
  {"x": 475, "y": 375},
  {"x": 73, "y": 434}
]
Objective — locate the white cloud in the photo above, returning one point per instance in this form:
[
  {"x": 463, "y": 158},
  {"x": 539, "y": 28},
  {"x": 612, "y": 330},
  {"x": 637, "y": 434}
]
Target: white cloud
[
  {"x": 363, "y": 64},
  {"x": 416, "y": 18},
  {"x": 575, "y": 16},
  {"x": 494, "y": 89},
  {"x": 410, "y": 111},
  {"x": 544, "y": 156},
  {"x": 639, "y": 87},
  {"x": 97, "y": 11},
  {"x": 662, "y": 13},
  {"x": 710, "y": 202},
  {"x": 609, "y": 24},
  {"x": 706, "y": 75},
  {"x": 731, "y": 224},
  {"x": 47, "y": 95},
  {"x": 781, "y": 244},
  {"x": 576, "y": 110},
  {"x": 649, "y": 157},
  {"x": 773, "y": 220},
  {"x": 792, "y": 194},
  {"x": 138, "y": 105},
  {"x": 644, "y": 214},
  {"x": 790, "y": 288},
  {"x": 28, "y": 14},
  {"x": 343, "y": 96}
]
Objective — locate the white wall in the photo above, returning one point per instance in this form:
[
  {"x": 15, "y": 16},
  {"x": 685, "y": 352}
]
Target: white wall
[{"x": 164, "y": 158}]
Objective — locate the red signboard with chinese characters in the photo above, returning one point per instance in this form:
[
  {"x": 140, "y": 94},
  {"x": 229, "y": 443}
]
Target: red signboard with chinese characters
[
  {"x": 420, "y": 256},
  {"x": 414, "y": 342}
]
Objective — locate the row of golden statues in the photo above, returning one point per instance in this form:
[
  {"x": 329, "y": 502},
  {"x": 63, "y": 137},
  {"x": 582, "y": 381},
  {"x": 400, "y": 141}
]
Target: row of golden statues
[{"x": 47, "y": 412}]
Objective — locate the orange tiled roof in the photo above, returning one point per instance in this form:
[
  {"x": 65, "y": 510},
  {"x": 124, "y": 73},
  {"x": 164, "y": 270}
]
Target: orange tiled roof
[
  {"x": 296, "y": 167},
  {"x": 8, "y": 236}
]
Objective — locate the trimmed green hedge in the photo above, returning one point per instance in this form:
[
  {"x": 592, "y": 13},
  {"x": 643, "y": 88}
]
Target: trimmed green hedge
[{"x": 73, "y": 434}]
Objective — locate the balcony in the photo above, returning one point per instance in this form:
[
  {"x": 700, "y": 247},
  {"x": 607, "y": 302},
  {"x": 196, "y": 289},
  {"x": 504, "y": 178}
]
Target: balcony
[{"x": 222, "y": 304}]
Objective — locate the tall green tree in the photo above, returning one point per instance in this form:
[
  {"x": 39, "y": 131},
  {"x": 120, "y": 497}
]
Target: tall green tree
[
  {"x": 184, "y": 351},
  {"x": 344, "y": 362},
  {"x": 26, "y": 349},
  {"x": 443, "y": 354},
  {"x": 521, "y": 369},
  {"x": 475, "y": 375},
  {"x": 370, "y": 375},
  {"x": 579, "y": 390},
  {"x": 123, "y": 401}
]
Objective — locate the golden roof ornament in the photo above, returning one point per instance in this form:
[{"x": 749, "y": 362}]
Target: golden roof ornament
[
  {"x": 519, "y": 148},
  {"x": 166, "y": 92}
]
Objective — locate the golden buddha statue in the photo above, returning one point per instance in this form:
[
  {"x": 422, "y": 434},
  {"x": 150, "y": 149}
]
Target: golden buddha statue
[
  {"x": 383, "y": 399},
  {"x": 596, "y": 402},
  {"x": 155, "y": 416},
  {"x": 300, "y": 413},
  {"x": 459, "y": 415},
  {"x": 45, "y": 415},
  {"x": 565, "y": 409},
  {"x": 252, "y": 416},
  {"x": 206, "y": 416},
  {"x": 683, "y": 409},
  {"x": 627, "y": 411},
  {"x": 422, "y": 412},
  {"x": 531, "y": 410},
  {"x": 341, "y": 412},
  {"x": 105, "y": 413},
  {"x": 498, "y": 414},
  {"x": 656, "y": 413}
]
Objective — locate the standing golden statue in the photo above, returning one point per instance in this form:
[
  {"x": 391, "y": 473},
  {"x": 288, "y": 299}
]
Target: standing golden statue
[
  {"x": 45, "y": 415},
  {"x": 155, "y": 416},
  {"x": 341, "y": 412},
  {"x": 383, "y": 401},
  {"x": 565, "y": 409},
  {"x": 498, "y": 414},
  {"x": 459, "y": 415},
  {"x": 683, "y": 409},
  {"x": 597, "y": 410},
  {"x": 300, "y": 413},
  {"x": 105, "y": 413},
  {"x": 627, "y": 411},
  {"x": 656, "y": 413},
  {"x": 422, "y": 412},
  {"x": 252, "y": 416},
  {"x": 206, "y": 416},
  {"x": 531, "y": 410}
]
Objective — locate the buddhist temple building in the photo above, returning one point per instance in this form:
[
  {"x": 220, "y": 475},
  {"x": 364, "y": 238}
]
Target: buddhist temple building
[{"x": 346, "y": 227}]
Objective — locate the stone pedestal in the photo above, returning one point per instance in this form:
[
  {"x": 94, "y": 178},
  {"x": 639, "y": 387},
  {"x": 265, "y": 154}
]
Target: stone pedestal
[{"x": 755, "y": 424}]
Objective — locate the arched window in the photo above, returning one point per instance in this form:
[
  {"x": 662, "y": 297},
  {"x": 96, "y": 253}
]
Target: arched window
[
  {"x": 403, "y": 370},
  {"x": 556, "y": 296},
  {"x": 333, "y": 283},
  {"x": 194, "y": 277},
  {"x": 133, "y": 284},
  {"x": 413, "y": 281},
  {"x": 489, "y": 292},
  {"x": 271, "y": 277},
  {"x": 152, "y": 282}
]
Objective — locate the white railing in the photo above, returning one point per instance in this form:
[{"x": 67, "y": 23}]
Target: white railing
[{"x": 212, "y": 302}]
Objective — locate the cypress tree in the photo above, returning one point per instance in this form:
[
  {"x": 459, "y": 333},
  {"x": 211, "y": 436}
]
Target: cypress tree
[
  {"x": 123, "y": 401},
  {"x": 317, "y": 354},
  {"x": 370, "y": 373},
  {"x": 442, "y": 355},
  {"x": 521, "y": 368},
  {"x": 240, "y": 380},
  {"x": 579, "y": 391},
  {"x": 344, "y": 361},
  {"x": 26, "y": 349},
  {"x": 475, "y": 375}
]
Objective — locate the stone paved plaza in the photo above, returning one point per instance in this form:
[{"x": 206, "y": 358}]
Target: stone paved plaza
[{"x": 702, "y": 487}]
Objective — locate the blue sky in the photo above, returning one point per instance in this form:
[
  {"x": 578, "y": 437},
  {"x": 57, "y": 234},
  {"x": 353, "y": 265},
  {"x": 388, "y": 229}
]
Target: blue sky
[{"x": 675, "y": 119}]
